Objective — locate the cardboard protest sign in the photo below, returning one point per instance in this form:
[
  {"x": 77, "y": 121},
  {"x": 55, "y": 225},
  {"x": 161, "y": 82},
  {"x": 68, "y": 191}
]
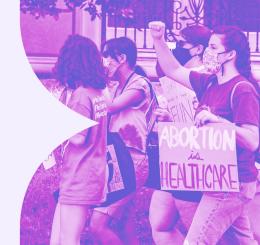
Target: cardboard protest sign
[
  {"x": 149, "y": 114},
  {"x": 195, "y": 159},
  {"x": 182, "y": 101},
  {"x": 49, "y": 162},
  {"x": 115, "y": 181}
]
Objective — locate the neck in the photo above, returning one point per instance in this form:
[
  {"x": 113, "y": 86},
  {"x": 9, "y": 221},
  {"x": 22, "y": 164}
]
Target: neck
[
  {"x": 230, "y": 71},
  {"x": 123, "y": 75},
  {"x": 195, "y": 61}
]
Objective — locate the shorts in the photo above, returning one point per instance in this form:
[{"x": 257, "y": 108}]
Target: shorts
[{"x": 141, "y": 167}]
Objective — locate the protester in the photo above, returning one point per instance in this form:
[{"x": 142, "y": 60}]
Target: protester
[
  {"x": 227, "y": 58},
  {"x": 127, "y": 115},
  {"x": 83, "y": 176},
  {"x": 164, "y": 217}
]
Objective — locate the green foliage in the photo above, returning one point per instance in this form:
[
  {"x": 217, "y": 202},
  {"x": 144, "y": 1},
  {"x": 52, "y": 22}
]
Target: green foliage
[{"x": 41, "y": 8}]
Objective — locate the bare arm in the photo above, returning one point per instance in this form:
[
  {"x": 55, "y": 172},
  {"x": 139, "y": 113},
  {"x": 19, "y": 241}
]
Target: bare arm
[
  {"x": 170, "y": 66},
  {"x": 247, "y": 135},
  {"x": 78, "y": 139},
  {"x": 163, "y": 115},
  {"x": 128, "y": 98}
]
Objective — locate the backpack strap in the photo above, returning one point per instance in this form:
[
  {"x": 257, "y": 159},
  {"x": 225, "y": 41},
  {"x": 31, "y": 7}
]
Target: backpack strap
[
  {"x": 234, "y": 89},
  {"x": 152, "y": 93},
  {"x": 257, "y": 154},
  {"x": 153, "y": 102}
]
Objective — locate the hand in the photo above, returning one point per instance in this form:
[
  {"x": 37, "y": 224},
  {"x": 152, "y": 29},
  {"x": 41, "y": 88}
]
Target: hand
[
  {"x": 204, "y": 117},
  {"x": 163, "y": 115},
  {"x": 157, "y": 29}
]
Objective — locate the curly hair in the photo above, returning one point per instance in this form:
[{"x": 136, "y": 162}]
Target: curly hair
[
  {"x": 80, "y": 64},
  {"x": 235, "y": 39}
]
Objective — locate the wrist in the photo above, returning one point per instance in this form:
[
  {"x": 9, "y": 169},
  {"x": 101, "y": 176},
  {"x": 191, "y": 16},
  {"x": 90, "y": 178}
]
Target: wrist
[
  {"x": 221, "y": 119},
  {"x": 159, "y": 40},
  {"x": 218, "y": 119}
]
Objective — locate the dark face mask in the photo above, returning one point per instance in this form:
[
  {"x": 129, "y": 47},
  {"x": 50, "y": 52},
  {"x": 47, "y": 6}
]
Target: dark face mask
[{"x": 181, "y": 54}]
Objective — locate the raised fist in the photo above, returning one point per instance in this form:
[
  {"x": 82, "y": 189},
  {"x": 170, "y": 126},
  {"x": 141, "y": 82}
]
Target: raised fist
[{"x": 157, "y": 29}]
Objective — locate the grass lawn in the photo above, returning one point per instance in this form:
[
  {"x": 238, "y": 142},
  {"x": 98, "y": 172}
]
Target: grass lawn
[{"x": 39, "y": 205}]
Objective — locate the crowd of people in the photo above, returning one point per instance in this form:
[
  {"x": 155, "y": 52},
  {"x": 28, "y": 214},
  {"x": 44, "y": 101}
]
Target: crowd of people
[{"x": 109, "y": 88}]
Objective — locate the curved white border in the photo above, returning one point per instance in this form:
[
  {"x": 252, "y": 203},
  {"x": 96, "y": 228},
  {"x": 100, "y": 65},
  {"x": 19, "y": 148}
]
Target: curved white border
[{"x": 32, "y": 123}]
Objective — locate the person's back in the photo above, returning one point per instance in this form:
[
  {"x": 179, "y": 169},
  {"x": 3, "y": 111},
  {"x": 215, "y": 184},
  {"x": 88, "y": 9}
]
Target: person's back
[
  {"x": 89, "y": 155},
  {"x": 83, "y": 176}
]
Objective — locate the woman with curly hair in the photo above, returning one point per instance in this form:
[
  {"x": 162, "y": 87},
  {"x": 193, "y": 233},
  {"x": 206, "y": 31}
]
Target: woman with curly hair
[
  {"x": 227, "y": 95},
  {"x": 83, "y": 176}
]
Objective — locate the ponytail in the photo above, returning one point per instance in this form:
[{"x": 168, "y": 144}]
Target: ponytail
[
  {"x": 235, "y": 39},
  {"x": 140, "y": 71}
]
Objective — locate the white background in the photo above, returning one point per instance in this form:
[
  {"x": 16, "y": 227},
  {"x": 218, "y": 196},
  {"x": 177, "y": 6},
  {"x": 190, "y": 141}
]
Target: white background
[{"x": 32, "y": 123}]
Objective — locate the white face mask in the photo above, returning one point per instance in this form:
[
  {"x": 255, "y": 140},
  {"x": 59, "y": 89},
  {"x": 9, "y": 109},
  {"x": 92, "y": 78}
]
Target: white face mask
[
  {"x": 211, "y": 61},
  {"x": 111, "y": 66}
]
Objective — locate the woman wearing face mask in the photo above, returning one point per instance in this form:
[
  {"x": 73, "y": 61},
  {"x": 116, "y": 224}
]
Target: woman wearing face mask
[
  {"x": 227, "y": 58},
  {"x": 127, "y": 109},
  {"x": 164, "y": 217},
  {"x": 189, "y": 51}
]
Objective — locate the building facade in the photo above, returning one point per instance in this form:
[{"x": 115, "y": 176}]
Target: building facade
[{"x": 43, "y": 36}]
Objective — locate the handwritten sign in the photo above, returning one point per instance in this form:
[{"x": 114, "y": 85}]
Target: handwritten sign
[
  {"x": 115, "y": 180},
  {"x": 194, "y": 158},
  {"x": 182, "y": 101}
]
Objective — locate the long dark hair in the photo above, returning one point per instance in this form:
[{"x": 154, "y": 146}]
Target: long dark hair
[
  {"x": 80, "y": 63},
  {"x": 122, "y": 45},
  {"x": 235, "y": 39}
]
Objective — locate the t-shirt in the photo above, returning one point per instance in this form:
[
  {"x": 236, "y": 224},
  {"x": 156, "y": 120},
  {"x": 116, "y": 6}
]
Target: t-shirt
[
  {"x": 131, "y": 123},
  {"x": 83, "y": 176},
  {"x": 245, "y": 110}
]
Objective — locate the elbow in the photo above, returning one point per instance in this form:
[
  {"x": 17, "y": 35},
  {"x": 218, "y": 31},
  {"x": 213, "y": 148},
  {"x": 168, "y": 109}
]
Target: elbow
[
  {"x": 254, "y": 142},
  {"x": 77, "y": 140},
  {"x": 248, "y": 137},
  {"x": 254, "y": 146},
  {"x": 170, "y": 70}
]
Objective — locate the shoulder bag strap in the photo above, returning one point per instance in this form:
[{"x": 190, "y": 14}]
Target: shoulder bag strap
[{"x": 234, "y": 89}]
